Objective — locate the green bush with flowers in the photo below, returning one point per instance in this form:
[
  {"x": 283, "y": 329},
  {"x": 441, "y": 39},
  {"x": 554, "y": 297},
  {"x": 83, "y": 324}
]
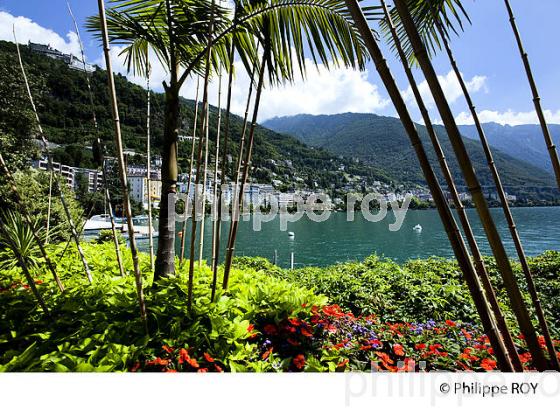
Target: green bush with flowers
[{"x": 374, "y": 315}]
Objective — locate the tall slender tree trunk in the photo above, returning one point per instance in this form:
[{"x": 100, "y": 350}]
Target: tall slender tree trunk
[
  {"x": 122, "y": 168},
  {"x": 73, "y": 231},
  {"x": 473, "y": 184},
  {"x": 223, "y": 180},
  {"x": 191, "y": 163},
  {"x": 100, "y": 145},
  {"x": 451, "y": 228},
  {"x": 469, "y": 234},
  {"x": 246, "y": 167},
  {"x": 49, "y": 207},
  {"x": 149, "y": 173},
  {"x": 27, "y": 218},
  {"x": 199, "y": 158},
  {"x": 536, "y": 98},
  {"x": 505, "y": 205},
  {"x": 216, "y": 187},
  {"x": 165, "y": 260},
  {"x": 204, "y": 185}
]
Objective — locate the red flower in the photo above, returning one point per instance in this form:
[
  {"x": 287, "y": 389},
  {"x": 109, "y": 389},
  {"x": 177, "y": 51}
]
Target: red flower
[
  {"x": 305, "y": 332},
  {"x": 343, "y": 363},
  {"x": 293, "y": 342},
  {"x": 267, "y": 353},
  {"x": 271, "y": 329},
  {"x": 208, "y": 358},
  {"x": 170, "y": 371},
  {"x": 450, "y": 323},
  {"x": 218, "y": 368},
  {"x": 384, "y": 358},
  {"x": 294, "y": 321},
  {"x": 203, "y": 370},
  {"x": 157, "y": 362},
  {"x": 167, "y": 349},
  {"x": 420, "y": 346},
  {"x": 250, "y": 328},
  {"x": 467, "y": 335},
  {"x": 488, "y": 364},
  {"x": 299, "y": 361},
  {"x": 183, "y": 356},
  {"x": 135, "y": 367},
  {"x": 193, "y": 363},
  {"x": 398, "y": 349}
]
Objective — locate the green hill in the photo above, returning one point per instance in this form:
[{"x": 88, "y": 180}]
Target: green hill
[
  {"x": 383, "y": 141},
  {"x": 63, "y": 104}
]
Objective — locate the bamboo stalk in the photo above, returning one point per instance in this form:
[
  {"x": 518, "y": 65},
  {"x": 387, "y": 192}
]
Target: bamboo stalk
[
  {"x": 215, "y": 222},
  {"x": 536, "y": 98},
  {"x": 103, "y": 164},
  {"x": 199, "y": 157},
  {"x": 518, "y": 304},
  {"x": 461, "y": 212},
  {"x": 204, "y": 183},
  {"x": 122, "y": 168},
  {"x": 49, "y": 207},
  {"x": 246, "y": 166},
  {"x": 451, "y": 228},
  {"x": 191, "y": 163},
  {"x": 504, "y": 202},
  {"x": 27, "y": 217},
  {"x": 149, "y": 172},
  {"x": 50, "y": 162}
]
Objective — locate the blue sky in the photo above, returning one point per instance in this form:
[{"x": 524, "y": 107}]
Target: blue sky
[{"x": 486, "y": 53}]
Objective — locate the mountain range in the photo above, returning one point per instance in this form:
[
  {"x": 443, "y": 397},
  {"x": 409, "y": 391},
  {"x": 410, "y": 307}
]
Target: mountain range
[{"x": 382, "y": 141}]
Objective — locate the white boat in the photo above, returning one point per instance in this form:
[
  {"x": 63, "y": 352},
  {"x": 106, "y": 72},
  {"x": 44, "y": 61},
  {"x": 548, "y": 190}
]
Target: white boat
[
  {"x": 140, "y": 232},
  {"x": 291, "y": 234},
  {"x": 418, "y": 228},
  {"x": 98, "y": 223}
]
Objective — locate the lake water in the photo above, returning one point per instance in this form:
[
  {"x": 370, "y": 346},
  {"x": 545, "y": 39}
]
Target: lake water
[{"x": 338, "y": 240}]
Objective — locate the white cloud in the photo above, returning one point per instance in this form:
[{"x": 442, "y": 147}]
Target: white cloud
[
  {"x": 27, "y": 30},
  {"x": 322, "y": 92},
  {"x": 451, "y": 88},
  {"x": 508, "y": 117}
]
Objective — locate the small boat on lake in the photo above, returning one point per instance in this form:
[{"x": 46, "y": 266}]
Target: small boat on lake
[
  {"x": 291, "y": 234},
  {"x": 417, "y": 228},
  {"x": 98, "y": 223}
]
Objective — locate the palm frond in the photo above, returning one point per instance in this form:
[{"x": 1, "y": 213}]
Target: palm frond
[{"x": 450, "y": 14}]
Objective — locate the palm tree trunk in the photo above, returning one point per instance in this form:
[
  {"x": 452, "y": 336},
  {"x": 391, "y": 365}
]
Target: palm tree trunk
[
  {"x": 27, "y": 218},
  {"x": 199, "y": 158},
  {"x": 73, "y": 231},
  {"x": 536, "y": 98},
  {"x": 518, "y": 304},
  {"x": 191, "y": 163},
  {"x": 122, "y": 168},
  {"x": 165, "y": 260},
  {"x": 451, "y": 228},
  {"x": 149, "y": 174},
  {"x": 103, "y": 163},
  {"x": 469, "y": 234},
  {"x": 215, "y": 226},
  {"x": 505, "y": 205},
  {"x": 246, "y": 167}
]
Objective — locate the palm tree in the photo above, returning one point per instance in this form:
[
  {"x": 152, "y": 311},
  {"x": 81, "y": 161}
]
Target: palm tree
[
  {"x": 180, "y": 37},
  {"x": 504, "y": 201},
  {"x": 444, "y": 210},
  {"x": 149, "y": 173},
  {"x": 18, "y": 247},
  {"x": 122, "y": 167},
  {"x": 98, "y": 153},
  {"x": 535, "y": 92},
  {"x": 27, "y": 217},
  {"x": 73, "y": 231},
  {"x": 517, "y": 302},
  {"x": 469, "y": 234}
]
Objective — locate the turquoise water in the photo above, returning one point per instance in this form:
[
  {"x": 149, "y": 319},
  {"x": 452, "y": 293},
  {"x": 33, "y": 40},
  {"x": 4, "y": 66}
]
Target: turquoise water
[{"x": 338, "y": 240}]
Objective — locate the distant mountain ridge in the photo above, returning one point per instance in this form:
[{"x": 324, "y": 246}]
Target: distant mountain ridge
[
  {"x": 382, "y": 141},
  {"x": 523, "y": 142}
]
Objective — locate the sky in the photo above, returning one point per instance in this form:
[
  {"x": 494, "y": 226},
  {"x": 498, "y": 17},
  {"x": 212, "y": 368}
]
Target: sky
[{"x": 486, "y": 53}]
